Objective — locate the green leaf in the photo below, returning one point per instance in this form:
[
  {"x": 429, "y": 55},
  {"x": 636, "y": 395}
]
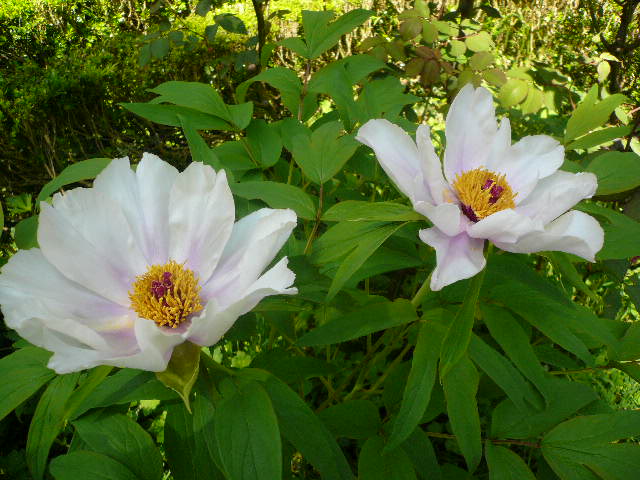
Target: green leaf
[
  {"x": 159, "y": 47},
  {"x": 285, "y": 80},
  {"x": 513, "y": 92},
  {"x": 122, "y": 439},
  {"x": 89, "y": 466},
  {"x": 591, "y": 113},
  {"x": 297, "y": 45},
  {"x": 564, "y": 398},
  {"x": 144, "y": 56},
  {"x": 366, "y": 246},
  {"x": 300, "y": 426},
  {"x": 599, "y": 137},
  {"x": 420, "y": 450},
  {"x": 611, "y": 462},
  {"x": 504, "y": 464},
  {"x": 23, "y": 373},
  {"x": 186, "y": 441},
  {"x": 320, "y": 36},
  {"x": 26, "y": 233},
  {"x": 591, "y": 429},
  {"x": 358, "y": 211},
  {"x": 84, "y": 170},
  {"x": 502, "y": 372},
  {"x": 203, "y": 7},
  {"x": 460, "y": 386},
  {"x": 47, "y": 422},
  {"x": 506, "y": 330},
  {"x": 210, "y": 32},
  {"x": 480, "y": 42},
  {"x": 533, "y": 102},
  {"x": 368, "y": 319},
  {"x": 322, "y": 154},
  {"x": 456, "y": 341},
  {"x": 417, "y": 392},
  {"x": 182, "y": 371},
  {"x": 585, "y": 441},
  {"x": 205, "y": 99},
  {"x": 171, "y": 115},
  {"x": 278, "y": 195},
  {"x": 620, "y": 232},
  {"x": 383, "y": 98},
  {"x": 357, "y": 419},
  {"x": 194, "y": 95},
  {"x": 616, "y": 171},
  {"x": 481, "y": 60},
  {"x": 339, "y": 240},
  {"x": 200, "y": 151},
  {"x": 290, "y": 367},
  {"x": 375, "y": 463},
  {"x": 247, "y": 434},
  {"x": 231, "y": 23},
  {"x": 265, "y": 142},
  {"x": 125, "y": 386}
]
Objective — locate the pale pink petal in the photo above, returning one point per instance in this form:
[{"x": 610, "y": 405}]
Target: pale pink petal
[
  {"x": 557, "y": 193},
  {"x": 439, "y": 190},
  {"x": 86, "y": 237},
  {"x": 504, "y": 226},
  {"x": 574, "y": 232},
  {"x": 457, "y": 257},
  {"x": 201, "y": 215},
  {"x": 470, "y": 130},
  {"x": 397, "y": 154},
  {"x": 255, "y": 241},
  {"x": 446, "y": 216},
  {"x": 213, "y": 323}
]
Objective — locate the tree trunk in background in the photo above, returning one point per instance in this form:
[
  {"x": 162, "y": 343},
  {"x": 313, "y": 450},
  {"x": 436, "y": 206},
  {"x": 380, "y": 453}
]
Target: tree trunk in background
[{"x": 465, "y": 8}]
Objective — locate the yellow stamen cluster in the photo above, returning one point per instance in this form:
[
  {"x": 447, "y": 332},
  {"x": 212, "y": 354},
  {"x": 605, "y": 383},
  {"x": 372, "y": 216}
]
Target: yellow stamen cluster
[
  {"x": 168, "y": 306},
  {"x": 473, "y": 192}
]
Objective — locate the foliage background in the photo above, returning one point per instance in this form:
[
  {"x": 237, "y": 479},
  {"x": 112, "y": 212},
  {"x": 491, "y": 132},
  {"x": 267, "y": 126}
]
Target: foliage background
[{"x": 68, "y": 66}]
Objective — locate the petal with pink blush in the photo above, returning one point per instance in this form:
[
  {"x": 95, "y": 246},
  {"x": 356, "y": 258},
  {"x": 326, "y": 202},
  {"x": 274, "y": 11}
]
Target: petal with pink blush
[{"x": 457, "y": 257}]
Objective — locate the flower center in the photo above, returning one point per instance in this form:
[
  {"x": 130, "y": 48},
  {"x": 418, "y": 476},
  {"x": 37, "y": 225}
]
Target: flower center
[
  {"x": 482, "y": 193},
  {"x": 166, "y": 294}
]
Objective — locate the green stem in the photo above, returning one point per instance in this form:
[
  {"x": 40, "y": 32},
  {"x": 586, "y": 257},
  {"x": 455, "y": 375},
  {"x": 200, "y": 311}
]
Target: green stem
[{"x": 420, "y": 294}]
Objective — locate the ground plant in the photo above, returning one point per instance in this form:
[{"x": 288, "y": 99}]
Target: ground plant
[{"x": 295, "y": 240}]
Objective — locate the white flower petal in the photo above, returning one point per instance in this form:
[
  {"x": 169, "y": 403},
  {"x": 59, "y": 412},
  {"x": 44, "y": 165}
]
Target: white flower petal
[
  {"x": 398, "y": 155},
  {"x": 431, "y": 167},
  {"x": 532, "y": 158},
  {"x": 504, "y": 226},
  {"x": 216, "y": 319},
  {"x": 457, "y": 257},
  {"x": 154, "y": 347},
  {"x": 86, "y": 237},
  {"x": 446, "y": 216},
  {"x": 29, "y": 277},
  {"x": 254, "y": 242},
  {"x": 201, "y": 215},
  {"x": 557, "y": 193},
  {"x": 470, "y": 130},
  {"x": 143, "y": 196},
  {"x": 574, "y": 232}
]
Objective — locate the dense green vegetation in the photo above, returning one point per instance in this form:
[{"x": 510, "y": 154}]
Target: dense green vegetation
[{"x": 553, "y": 356}]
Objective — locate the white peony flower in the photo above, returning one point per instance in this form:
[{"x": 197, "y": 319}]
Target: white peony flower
[
  {"x": 512, "y": 195},
  {"x": 140, "y": 263}
]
